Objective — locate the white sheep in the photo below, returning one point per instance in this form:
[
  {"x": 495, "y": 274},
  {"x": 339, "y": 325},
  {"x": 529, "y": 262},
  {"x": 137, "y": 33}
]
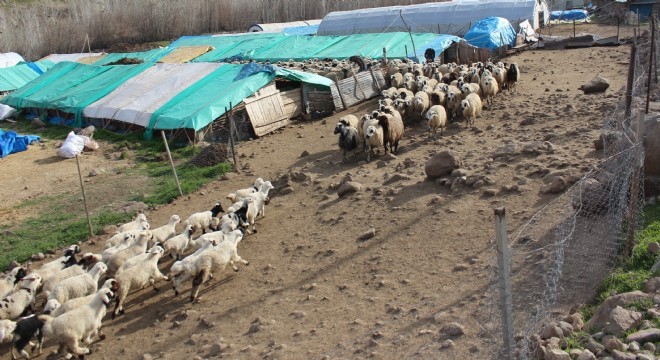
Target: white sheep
[
  {"x": 240, "y": 194},
  {"x": 8, "y": 283},
  {"x": 203, "y": 220},
  {"x": 470, "y": 88},
  {"x": 421, "y": 104},
  {"x": 489, "y": 88},
  {"x": 13, "y": 305},
  {"x": 374, "y": 137},
  {"x": 177, "y": 245},
  {"x": 128, "y": 240},
  {"x": 138, "y": 277},
  {"x": 69, "y": 272},
  {"x": 437, "y": 119},
  {"x": 164, "y": 232},
  {"x": 396, "y": 80},
  {"x": 203, "y": 265},
  {"x": 136, "y": 224},
  {"x": 390, "y": 93},
  {"x": 7, "y": 328},
  {"x": 49, "y": 269},
  {"x": 80, "y": 323},
  {"x": 119, "y": 238},
  {"x": 119, "y": 258},
  {"x": 349, "y": 120},
  {"x": 471, "y": 108},
  {"x": 453, "y": 103},
  {"x": 500, "y": 75},
  {"x": 55, "y": 309},
  {"x": 78, "y": 286}
]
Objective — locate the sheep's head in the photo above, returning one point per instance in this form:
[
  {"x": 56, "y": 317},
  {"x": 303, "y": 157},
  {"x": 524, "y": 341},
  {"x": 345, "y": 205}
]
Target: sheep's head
[
  {"x": 465, "y": 104},
  {"x": 217, "y": 208},
  {"x": 18, "y": 273},
  {"x": 111, "y": 284},
  {"x": 72, "y": 250},
  {"x": 128, "y": 237},
  {"x": 141, "y": 217},
  {"x": 99, "y": 268},
  {"x": 371, "y": 131},
  {"x": 157, "y": 249},
  {"x": 338, "y": 128},
  {"x": 106, "y": 296},
  {"x": 144, "y": 226},
  {"x": 51, "y": 306},
  {"x": 374, "y": 114},
  {"x": 445, "y": 88},
  {"x": 175, "y": 219},
  {"x": 30, "y": 282},
  {"x": 267, "y": 186},
  {"x": 190, "y": 230}
]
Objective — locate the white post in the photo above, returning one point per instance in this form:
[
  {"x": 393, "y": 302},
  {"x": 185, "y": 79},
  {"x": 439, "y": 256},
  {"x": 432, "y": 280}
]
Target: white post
[
  {"x": 169, "y": 155},
  {"x": 504, "y": 272}
]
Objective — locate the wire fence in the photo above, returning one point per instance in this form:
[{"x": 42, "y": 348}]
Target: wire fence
[{"x": 560, "y": 257}]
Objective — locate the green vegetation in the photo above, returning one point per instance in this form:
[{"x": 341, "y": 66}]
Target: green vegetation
[{"x": 61, "y": 221}]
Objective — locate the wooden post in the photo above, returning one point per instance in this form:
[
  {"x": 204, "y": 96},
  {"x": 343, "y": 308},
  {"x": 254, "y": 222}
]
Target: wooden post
[
  {"x": 651, "y": 57},
  {"x": 504, "y": 274},
  {"x": 341, "y": 96},
  {"x": 169, "y": 155},
  {"x": 373, "y": 77},
  {"x": 82, "y": 187},
  {"x": 634, "y": 192},
  {"x": 357, "y": 83},
  {"x": 639, "y": 32},
  {"x": 384, "y": 56},
  {"x": 631, "y": 76},
  {"x": 231, "y": 133},
  {"x": 618, "y": 25},
  {"x": 405, "y": 47},
  {"x": 573, "y": 28}
]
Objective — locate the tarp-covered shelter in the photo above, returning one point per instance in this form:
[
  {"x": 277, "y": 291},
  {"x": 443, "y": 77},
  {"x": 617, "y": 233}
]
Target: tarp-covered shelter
[
  {"x": 453, "y": 17},
  {"x": 279, "y": 27},
  {"x": 146, "y": 56},
  {"x": 12, "y": 78},
  {"x": 55, "y": 58},
  {"x": 569, "y": 15},
  {"x": 10, "y": 59},
  {"x": 491, "y": 33}
]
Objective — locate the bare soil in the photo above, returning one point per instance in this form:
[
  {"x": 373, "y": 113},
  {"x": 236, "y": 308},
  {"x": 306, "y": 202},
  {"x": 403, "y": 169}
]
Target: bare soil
[{"x": 312, "y": 289}]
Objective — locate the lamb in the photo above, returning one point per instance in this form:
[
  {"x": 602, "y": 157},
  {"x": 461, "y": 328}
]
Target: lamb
[
  {"x": 119, "y": 238},
  {"x": 78, "y": 269},
  {"x": 133, "y": 225},
  {"x": 161, "y": 234},
  {"x": 347, "y": 139},
  {"x": 374, "y": 136},
  {"x": 471, "y": 108},
  {"x": 203, "y": 220},
  {"x": 473, "y": 76},
  {"x": 81, "y": 323},
  {"x": 392, "y": 131},
  {"x": 489, "y": 88},
  {"x": 512, "y": 76},
  {"x": 138, "y": 277},
  {"x": 8, "y": 283},
  {"x": 78, "y": 286},
  {"x": 54, "y": 309},
  {"x": 176, "y": 246},
  {"x": 453, "y": 103},
  {"x": 118, "y": 259},
  {"x": 349, "y": 120},
  {"x": 242, "y": 193},
  {"x": 129, "y": 239},
  {"x": 68, "y": 259},
  {"x": 7, "y": 330},
  {"x": 437, "y": 119},
  {"x": 421, "y": 104},
  {"x": 201, "y": 267},
  {"x": 25, "y": 329},
  {"x": 139, "y": 259},
  {"x": 500, "y": 76},
  {"x": 14, "y": 305},
  {"x": 471, "y": 89}
]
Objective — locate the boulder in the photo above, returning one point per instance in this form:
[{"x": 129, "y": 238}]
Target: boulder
[
  {"x": 550, "y": 331},
  {"x": 620, "y": 355},
  {"x": 596, "y": 85},
  {"x": 557, "y": 354},
  {"x": 586, "y": 355},
  {"x": 591, "y": 197},
  {"x": 611, "y": 343},
  {"x": 576, "y": 321},
  {"x": 510, "y": 149},
  {"x": 348, "y": 188},
  {"x": 618, "y": 321},
  {"x": 594, "y": 347},
  {"x": 643, "y": 336},
  {"x": 367, "y": 235},
  {"x": 652, "y": 285},
  {"x": 602, "y": 312},
  {"x": 565, "y": 327},
  {"x": 557, "y": 185},
  {"x": 442, "y": 164}
]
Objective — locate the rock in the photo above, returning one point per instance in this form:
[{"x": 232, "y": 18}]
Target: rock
[
  {"x": 304, "y": 153},
  {"x": 109, "y": 229},
  {"x": 591, "y": 197},
  {"x": 654, "y": 248},
  {"x": 594, "y": 347},
  {"x": 611, "y": 343},
  {"x": 550, "y": 331},
  {"x": 644, "y": 356},
  {"x": 574, "y": 353},
  {"x": 228, "y": 176},
  {"x": 447, "y": 344},
  {"x": 479, "y": 184},
  {"x": 442, "y": 164},
  {"x": 565, "y": 327},
  {"x": 389, "y": 157},
  {"x": 216, "y": 349},
  {"x": 396, "y": 177},
  {"x": 88, "y": 131},
  {"x": 510, "y": 149},
  {"x": 453, "y": 329},
  {"x": 38, "y": 257},
  {"x": 528, "y": 121},
  {"x": 620, "y": 355},
  {"x": 147, "y": 357},
  {"x": 286, "y": 191},
  {"x": 576, "y": 321},
  {"x": 652, "y": 285},
  {"x": 612, "y": 318},
  {"x": 652, "y": 313},
  {"x": 535, "y": 147},
  {"x": 348, "y": 188},
  {"x": 596, "y": 85},
  {"x": 459, "y": 173},
  {"x": 557, "y": 185},
  {"x": 93, "y": 173},
  {"x": 367, "y": 235},
  {"x": 553, "y": 343},
  {"x": 132, "y": 207},
  {"x": 557, "y": 354},
  {"x": 37, "y": 123},
  {"x": 649, "y": 346},
  {"x": 586, "y": 355},
  {"x": 489, "y": 192},
  {"x": 644, "y": 336},
  {"x": 633, "y": 347}
]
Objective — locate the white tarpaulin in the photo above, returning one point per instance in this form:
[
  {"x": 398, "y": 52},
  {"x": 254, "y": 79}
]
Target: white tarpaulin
[
  {"x": 55, "y": 58},
  {"x": 9, "y": 59},
  {"x": 136, "y": 100},
  {"x": 279, "y": 27},
  {"x": 454, "y": 17}
]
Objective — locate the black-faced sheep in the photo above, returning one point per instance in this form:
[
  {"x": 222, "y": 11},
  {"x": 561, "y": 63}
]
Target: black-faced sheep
[
  {"x": 8, "y": 283},
  {"x": 513, "y": 76},
  {"x": 348, "y": 137},
  {"x": 204, "y": 220},
  {"x": 17, "y": 303}
]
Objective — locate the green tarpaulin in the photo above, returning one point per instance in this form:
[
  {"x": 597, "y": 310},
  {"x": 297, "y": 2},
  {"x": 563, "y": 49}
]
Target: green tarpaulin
[
  {"x": 146, "y": 56},
  {"x": 14, "y": 77}
]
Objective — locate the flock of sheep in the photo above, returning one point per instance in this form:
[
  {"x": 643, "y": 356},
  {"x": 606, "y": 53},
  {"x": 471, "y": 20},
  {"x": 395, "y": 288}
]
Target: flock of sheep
[
  {"x": 68, "y": 287},
  {"x": 437, "y": 93}
]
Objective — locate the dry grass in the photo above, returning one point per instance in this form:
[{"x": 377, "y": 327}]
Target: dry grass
[{"x": 38, "y": 28}]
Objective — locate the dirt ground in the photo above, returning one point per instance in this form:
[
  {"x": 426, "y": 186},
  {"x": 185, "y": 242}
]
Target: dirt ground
[{"x": 312, "y": 289}]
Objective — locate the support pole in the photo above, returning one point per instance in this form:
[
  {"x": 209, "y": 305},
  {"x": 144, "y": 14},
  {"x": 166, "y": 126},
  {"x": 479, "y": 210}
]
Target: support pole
[
  {"x": 341, "y": 96},
  {"x": 169, "y": 155},
  {"x": 634, "y": 192},
  {"x": 384, "y": 56},
  {"x": 504, "y": 271},
  {"x": 231, "y": 133},
  {"x": 409, "y": 33},
  {"x": 573, "y": 28},
  {"x": 82, "y": 187},
  {"x": 651, "y": 57},
  {"x": 631, "y": 76},
  {"x": 618, "y": 25}
]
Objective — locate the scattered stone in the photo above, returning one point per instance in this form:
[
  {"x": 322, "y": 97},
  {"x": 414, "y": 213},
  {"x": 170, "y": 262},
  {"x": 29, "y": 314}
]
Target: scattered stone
[
  {"x": 286, "y": 191},
  {"x": 594, "y": 347},
  {"x": 228, "y": 176},
  {"x": 654, "y": 248},
  {"x": 576, "y": 321},
  {"x": 459, "y": 173},
  {"x": 596, "y": 85},
  {"x": 461, "y": 267},
  {"x": 216, "y": 349},
  {"x": 510, "y": 149},
  {"x": 396, "y": 177},
  {"x": 489, "y": 192},
  {"x": 617, "y": 320},
  {"x": 550, "y": 331},
  {"x": 348, "y": 188},
  {"x": 442, "y": 164},
  {"x": 652, "y": 285},
  {"x": 367, "y": 235},
  {"x": 132, "y": 207},
  {"x": 389, "y": 157},
  {"x": 644, "y": 336},
  {"x": 586, "y": 355},
  {"x": 565, "y": 327},
  {"x": 38, "y": 257},
  {"x": 611, "y": 343},
  {"x": 93, "y": 173},
  {"x": 620, "y": 355},
  {"x": 528, "y": 121},
  {"x": 453, "y": 329},
  {"x": 304, "y": 153},
  {"x": 574, "y": 353},
  {"x": 147, "y": 357},
  {"x": 633, "y": 347},
  {"x": 649, "y": 346},
  {"x": 447, "y": 344},
  {"x": 557, "y": 354},
  {"x": 478, "y": 184},
  {"x": 557, "y": 185}
]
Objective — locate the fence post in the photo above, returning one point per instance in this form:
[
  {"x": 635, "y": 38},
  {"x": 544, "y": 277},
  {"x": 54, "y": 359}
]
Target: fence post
[
  {"x": 230, "y": 117},
  {"x": 341, "y": 96},
  {"x": 573, "y": 28},
  {"x": 651, "y": 58},
  {"x": 169, "y": 155},
  {"x": 634, "y": 192},
  {"x": 631, "y": 77},
  {"x": 82, "y": 187},
  {"x": 504, "y": 272},
  {"x": 384, "y": 56}
]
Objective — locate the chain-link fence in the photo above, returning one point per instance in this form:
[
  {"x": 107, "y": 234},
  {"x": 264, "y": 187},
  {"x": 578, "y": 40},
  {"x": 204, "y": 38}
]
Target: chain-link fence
[{"x": 560, "y": 257}]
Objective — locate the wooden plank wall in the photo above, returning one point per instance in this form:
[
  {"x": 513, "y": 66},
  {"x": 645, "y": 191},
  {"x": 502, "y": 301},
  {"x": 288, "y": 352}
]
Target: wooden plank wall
[
  {"x": 266, "y": 110},
  {"x": 358, "y": 88},
  {"x": 463, "y": 53},
  {"x": 317, "y": 100},
  {"x": 293, "y": 103}
]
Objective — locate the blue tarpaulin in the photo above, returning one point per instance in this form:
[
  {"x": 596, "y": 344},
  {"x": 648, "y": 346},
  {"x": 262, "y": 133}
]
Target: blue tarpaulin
[
  {"x": 569, "y": 15},
  {"x": 491, "y": 33},
  {"x": 11, "y": 142},
  {"x": 301, "y": 30},
  {"x": 439, "y": 44}
]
